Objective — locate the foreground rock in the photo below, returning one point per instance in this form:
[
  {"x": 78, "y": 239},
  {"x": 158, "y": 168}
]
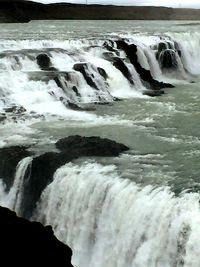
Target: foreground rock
[
  {"x": 91, "y": 146},
  {"x": 9, "y": 158},
  {"x": 45, "y": 165},
  {"x": 25, "y": 243}
]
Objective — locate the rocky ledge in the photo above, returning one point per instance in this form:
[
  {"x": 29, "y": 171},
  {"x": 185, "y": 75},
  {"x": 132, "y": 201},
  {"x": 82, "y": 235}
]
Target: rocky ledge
[
  {"x": 25, "y": 243},
  {"x": 43, "y": 167}
]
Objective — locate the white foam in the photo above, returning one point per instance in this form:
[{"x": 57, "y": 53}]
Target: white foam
[{"x": 111, "y": 222}]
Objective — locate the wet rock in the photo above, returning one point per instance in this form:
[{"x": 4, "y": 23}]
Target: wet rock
[
  {"x": 44, "y": 166},
  {"x": 153, "y": 93},
  {"x": 91, "y": 146},
  {"x": 25, "y": 243},
  {"x": 162, "y": 46},
  {"x": 2, "y": 117},
  {"x": 9, "y": 158},
  {"x": 168, "y": 59},
  {"x": 131, "y": 52},
  {"x": 103, "y": 73},
  {"x": 120, "y": 65},
  {"x": 75, "y": 89},
  {"x": 82, "y": 68},
  {"x": 44, "y": 62},
  {"x": 15, "y": 109}
]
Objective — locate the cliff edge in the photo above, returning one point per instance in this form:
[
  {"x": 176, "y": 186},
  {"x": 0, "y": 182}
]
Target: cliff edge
[{"x": 25, "y": 243}]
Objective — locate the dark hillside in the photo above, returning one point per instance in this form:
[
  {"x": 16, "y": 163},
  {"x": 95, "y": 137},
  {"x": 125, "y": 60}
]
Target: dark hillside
[{"x": 24, "y": 11}]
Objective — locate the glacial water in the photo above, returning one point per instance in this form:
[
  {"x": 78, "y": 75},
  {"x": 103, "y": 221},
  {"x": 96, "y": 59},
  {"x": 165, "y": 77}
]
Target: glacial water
[{"x": 140, "y": 209}]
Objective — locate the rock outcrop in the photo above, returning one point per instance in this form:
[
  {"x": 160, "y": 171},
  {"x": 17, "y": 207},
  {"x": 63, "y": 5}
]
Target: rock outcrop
[
  {"x": 45, "y": 165},
  {"x": 131, "y": 52},
  {"x": 25, "y": 243},
  {"x": 9, "y": 158}
]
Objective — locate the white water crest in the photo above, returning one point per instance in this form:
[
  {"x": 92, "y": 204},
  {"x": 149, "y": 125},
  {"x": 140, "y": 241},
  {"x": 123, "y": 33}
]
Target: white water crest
[
  {"x": 13, "y": 198},
  {"x": 109, "y": 221}
]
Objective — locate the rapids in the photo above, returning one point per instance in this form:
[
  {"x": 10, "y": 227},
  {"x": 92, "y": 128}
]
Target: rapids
[{"x": 62, "y": 78}]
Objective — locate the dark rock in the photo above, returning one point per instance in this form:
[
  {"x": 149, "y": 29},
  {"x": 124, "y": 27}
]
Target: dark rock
[
  {"x": 91, "y": 146},
  {"x": 74, "y": 106},
  {"x": 162, "y": 46},
  {"x": 9, "y": 158},
  {"x": 25, "y": 243},
  {"x": 15, "y": 109},
  {"x": 109, "y": 45},
  {"x": 44, "y": 166},
  {"x": 75, "y": 89},
  {"x": 131, "y": 52},
  {"x": 117, "y": 99},
  {"x": 43, "y": 61},
  {"x": 82, "y": 68},
  {"x": 153, "y": 92},
  {"x": 168, "y": 59},
  {"x": 103, "y": 73},
  {"x": 120, "y": 65},
  {"x": 2, "y": 117}
]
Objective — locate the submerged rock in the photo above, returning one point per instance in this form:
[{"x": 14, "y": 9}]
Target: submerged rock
[
  {"x": 25, "y": 243},
  {"x": 153, "y": 93}
]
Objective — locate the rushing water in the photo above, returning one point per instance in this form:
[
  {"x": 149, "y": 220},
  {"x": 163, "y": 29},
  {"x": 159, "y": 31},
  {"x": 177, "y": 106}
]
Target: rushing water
[{"x": 137, "y": 210}]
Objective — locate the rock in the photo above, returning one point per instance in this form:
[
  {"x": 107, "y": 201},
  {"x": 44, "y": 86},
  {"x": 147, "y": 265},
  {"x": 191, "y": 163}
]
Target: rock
[
  {"x": 91, "y": 146},
  {"x": 25, "y": 243},
  {"x": 167, "y": 59},
  {"x": 153, "y": 92},
  {"x": 44, "y": 166},
  {"x": 2, "y": 117},
  {"x": 42, "y": 170},
  {"x": 43, "y": 61},
  {"x": 120, "y": 65},
  {"x": 75, "y": 89},
  {"x": 82, "y": 68},
  {"x": 9, "y": 158},
  {"x": 131, "y": 52},
  {"x": 103, "y": 73},
  {"x": 15, "y": 109},
  {"x": 162, "y": 46}
]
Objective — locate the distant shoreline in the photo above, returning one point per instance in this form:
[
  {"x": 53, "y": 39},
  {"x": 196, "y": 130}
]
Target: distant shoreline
[{"x": 25, "y": 11}]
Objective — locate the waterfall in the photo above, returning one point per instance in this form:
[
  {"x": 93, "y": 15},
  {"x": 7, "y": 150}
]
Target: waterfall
[
  {"x": 13, "y": 198},
  {"x": 109, "y": 221},
  {"x": 88, "y": 71}
]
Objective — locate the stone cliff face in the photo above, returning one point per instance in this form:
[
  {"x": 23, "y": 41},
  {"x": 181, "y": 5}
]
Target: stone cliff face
[
  {"x": 24, "y": 11},
  {"x": 25, "y": 243}
]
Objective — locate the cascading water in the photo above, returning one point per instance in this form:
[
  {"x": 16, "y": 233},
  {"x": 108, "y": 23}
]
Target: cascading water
[
  {"x": 130, "y": 211},
  {"x": 12, "y": 199},
  {"x": 109, "y": 221},
  {"x": 79, "y": 72}
]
